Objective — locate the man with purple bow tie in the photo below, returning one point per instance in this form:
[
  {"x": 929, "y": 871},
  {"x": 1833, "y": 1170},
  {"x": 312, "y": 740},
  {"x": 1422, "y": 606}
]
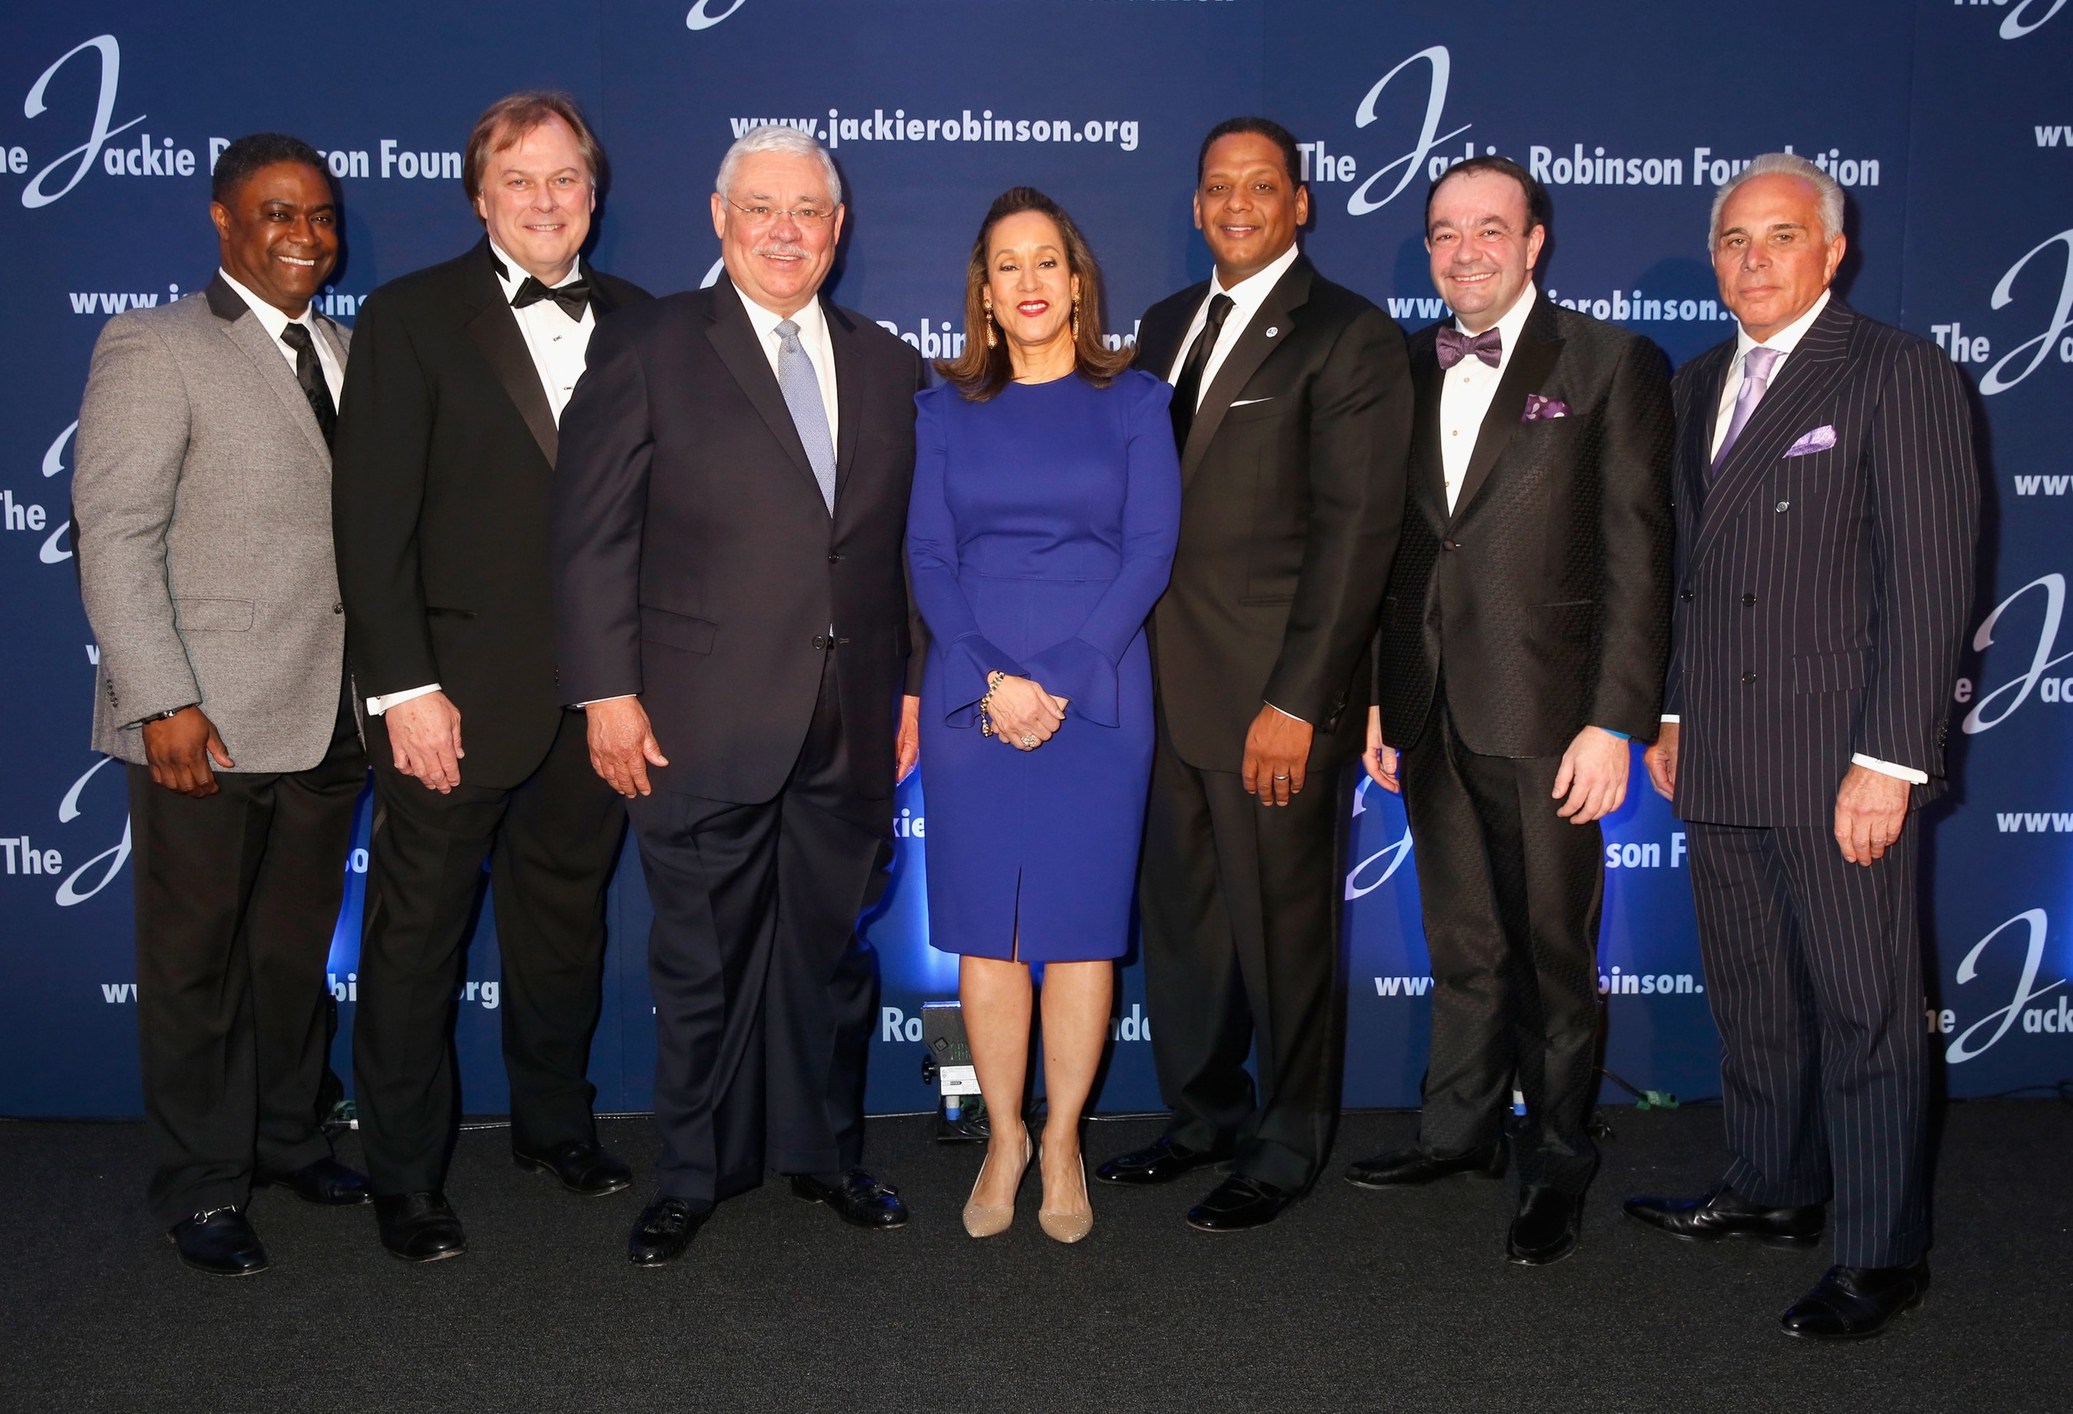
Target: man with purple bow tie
[
  {"x": 1827, "y": 508},
  {"x": 1523, "y": 641}
]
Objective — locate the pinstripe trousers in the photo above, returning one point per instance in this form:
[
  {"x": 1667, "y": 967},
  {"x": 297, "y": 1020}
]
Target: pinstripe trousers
[{"x": 1814, "y": 970}]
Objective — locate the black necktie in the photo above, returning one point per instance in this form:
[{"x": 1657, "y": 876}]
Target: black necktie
[
  {"x": 573, "y": 297},
  {"x": 309, "y": 372},
  {"x": 1187, "y": 389},
  {"x": 1455, "y": 346}
]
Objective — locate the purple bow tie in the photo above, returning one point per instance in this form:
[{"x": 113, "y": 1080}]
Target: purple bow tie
[{"x": 1456, "y": 346}]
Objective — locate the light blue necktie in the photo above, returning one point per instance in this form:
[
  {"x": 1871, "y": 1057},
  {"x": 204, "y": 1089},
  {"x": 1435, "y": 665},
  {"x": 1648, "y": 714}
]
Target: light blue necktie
[{"x": 802, "y": 390}]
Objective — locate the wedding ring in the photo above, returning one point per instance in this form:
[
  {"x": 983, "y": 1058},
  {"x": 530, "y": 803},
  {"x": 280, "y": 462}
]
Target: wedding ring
[
  {"x": 1280, "y": 776},
  {"x": 1029, "y": 741}
]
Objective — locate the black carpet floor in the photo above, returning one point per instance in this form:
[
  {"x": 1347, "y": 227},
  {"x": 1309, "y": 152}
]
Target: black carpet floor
[{"x": 1352, "y": 1300}]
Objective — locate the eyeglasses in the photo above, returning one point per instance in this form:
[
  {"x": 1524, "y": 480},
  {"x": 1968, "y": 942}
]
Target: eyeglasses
[{"x": 761, "y": 215}]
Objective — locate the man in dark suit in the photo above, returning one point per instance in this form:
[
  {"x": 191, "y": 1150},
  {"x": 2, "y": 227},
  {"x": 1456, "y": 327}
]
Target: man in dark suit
[
  {"x": 1292, "y": 411},
  {"x": 733, "y": 608},
  {"x": 1827, "y": 508},
  {"x": 1522, "y": 645},
  {"x": 445, "y": 455},
  {"x": 203, "y": 504}
]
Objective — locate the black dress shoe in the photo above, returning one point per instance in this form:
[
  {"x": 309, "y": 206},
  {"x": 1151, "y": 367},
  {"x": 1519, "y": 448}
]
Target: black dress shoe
[
  {"x": 1239, "y": 1204},
  {"x": 857, "y": 1198},
  {"x": 1850, "y": 1303},
  {"x": 1398, "y": 1168},
  {"x": 1547, "y": 1228},
  {"x": 219, "y": 1242},
  {"x": 325, "y": 1181},
  {"x": 583, "y": 1168},
  {"x": 419, "y": 1227},
  {"x": 663, "y": 1230},
  {"x": 1726, "y": 1213},
  {"x": 1161, "y": 1161}
]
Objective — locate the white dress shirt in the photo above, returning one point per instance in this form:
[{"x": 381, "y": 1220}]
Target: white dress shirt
[
  {"x": 813, "y": 337},
  {"x": 1247, "y": 295},
  {"x": 276, "y": 323},
  {"x": 1466, "y": 391},
  {"x": 558, "y": 345},
  {"x": 1785, "y": 341}
]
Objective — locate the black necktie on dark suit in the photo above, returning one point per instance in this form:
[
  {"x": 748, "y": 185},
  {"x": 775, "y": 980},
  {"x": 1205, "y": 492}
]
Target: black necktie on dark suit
[
  {"x": 309, "y": 372},
  {"x": 1187, "y": 389}
]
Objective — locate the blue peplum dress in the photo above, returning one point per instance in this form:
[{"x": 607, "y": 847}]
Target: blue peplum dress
[{"x": 1040, "y": 535}]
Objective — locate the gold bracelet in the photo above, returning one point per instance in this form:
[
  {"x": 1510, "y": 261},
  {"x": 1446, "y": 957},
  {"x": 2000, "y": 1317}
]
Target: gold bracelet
[{"x": 993, "y": 680}]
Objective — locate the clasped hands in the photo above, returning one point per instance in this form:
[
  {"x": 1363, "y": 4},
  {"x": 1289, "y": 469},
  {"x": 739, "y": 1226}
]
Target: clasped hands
[{"x": 1024, "y": 716}]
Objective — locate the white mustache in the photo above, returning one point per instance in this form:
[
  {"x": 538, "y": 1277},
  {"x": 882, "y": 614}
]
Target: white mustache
[{"x": 785, "y": 248}]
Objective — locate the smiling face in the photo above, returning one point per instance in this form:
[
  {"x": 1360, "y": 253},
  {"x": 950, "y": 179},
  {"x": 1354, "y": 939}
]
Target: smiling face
[
  {"x": 777, "y": 259},
  {"x": 1769, "y": 254},
  {"x": 1031, "y": 291},
  {"x": 1483, "y": 245},
  {"x": 1248, "y": 205},
  {"x": 278, "y": 234},
  {"x": 536, "y": 199}
]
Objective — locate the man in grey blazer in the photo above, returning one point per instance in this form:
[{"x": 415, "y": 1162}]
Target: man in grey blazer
[{"x": 202, "y": 500}]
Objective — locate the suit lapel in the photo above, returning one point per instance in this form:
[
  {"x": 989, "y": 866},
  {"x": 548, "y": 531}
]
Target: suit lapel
[
  {"x": 734, "y": 339},
  {"x": 1524, "y": 372},
  {"x": 1810, "y": 375},
  {"x": 494, "y": 328},
  {"x": 1428, "y": 472},
  {"x": 243, "y": 328},
  {"x": 1272, "y": 326},
  {"x": 849, "y": 388}
]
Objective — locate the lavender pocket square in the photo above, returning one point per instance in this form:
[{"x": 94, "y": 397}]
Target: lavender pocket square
[
  {"x": 1540, "y": 409},
  {"x": 1819, "y": 440}
]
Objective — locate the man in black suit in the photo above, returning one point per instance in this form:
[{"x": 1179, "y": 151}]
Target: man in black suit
[
  {"x": 1292, "y": 411},
  {"x": 1522, "y": 645},
  {"x": 446, "y": 452},
  {"x": 1827, "y": 508},
  {"x": 732, "y": 601}
]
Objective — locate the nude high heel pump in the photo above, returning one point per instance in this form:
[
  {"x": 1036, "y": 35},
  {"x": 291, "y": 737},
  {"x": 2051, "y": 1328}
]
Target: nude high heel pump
[
  {"x": 1069, "y": 1224},
  {"x": 983, "y": 1221}
]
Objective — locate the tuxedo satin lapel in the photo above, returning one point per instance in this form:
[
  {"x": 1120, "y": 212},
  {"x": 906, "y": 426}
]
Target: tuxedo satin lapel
[
  {"x": 1428, "y": 471},
  {"x": 1254, "y": 344},
  {"x": 734, "y": 339},
  {"x": 849, "y": 387},
  {"x": 601, "y": 301},
  {"x": 1809, "y": 377},
  {"x": 494, "y": 329},
  {"x": 242, "y": 327},
  {"x": 1524, "y": 372}
]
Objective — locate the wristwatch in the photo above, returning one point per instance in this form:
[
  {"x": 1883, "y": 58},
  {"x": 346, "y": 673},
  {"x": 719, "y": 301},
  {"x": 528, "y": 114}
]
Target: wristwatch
[{"x": 166, "y": 715}]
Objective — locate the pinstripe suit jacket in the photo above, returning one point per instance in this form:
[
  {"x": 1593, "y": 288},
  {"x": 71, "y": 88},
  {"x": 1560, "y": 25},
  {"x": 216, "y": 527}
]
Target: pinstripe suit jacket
[
  {"x": 1821, "y": 596},
  {"x": 201, "y": 500}
]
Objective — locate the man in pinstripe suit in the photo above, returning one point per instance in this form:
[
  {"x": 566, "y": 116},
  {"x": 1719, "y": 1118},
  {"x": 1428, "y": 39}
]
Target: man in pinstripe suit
[{"x": 1827, "y": 507}]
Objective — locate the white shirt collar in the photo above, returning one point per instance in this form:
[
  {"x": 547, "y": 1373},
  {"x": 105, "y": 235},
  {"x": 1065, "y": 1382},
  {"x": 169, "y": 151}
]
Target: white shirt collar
[
  {"x": 811, "y": 319},
  {"x": 1786, "y": 339},
  {"x": 270, "y": 318},
  {"x": 1251, "y": 292},
  {"x": 511, "y": 274},
  {"x": 1509, "y": 327}
]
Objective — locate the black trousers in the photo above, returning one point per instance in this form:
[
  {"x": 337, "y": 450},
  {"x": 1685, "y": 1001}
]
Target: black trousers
[
  {"x": 1814, "y": 971},
  {"x": 237, "y": 898},
  {"x": 764, "y": 993},
  {"x": 1511, "y": 895},
  {"x": 1240, "y": 909},
  {"x": 551, "y": 842}
]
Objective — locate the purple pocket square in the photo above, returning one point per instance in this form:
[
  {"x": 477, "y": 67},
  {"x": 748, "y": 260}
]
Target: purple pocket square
[
  {"x": 1540, "y": 409},
  {"x": 1819, "y": 440}
]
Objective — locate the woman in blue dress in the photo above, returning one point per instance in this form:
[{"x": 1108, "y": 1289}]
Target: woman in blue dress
[{"x": 1046, "y": 505}]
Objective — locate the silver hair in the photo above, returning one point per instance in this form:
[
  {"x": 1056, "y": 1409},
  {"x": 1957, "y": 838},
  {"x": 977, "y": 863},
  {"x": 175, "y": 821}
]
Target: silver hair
[
  {"x": 776, "y": 137},
  {"x": 1828, "y": 192}
]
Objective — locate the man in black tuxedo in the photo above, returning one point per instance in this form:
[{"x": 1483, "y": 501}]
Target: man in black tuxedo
[
  {"x": 1827, "y": 509},
  {"x": 733, "y": 609},
  {"x": 446, "y": 451},
  {"x": 1522, "y": 645},
  {"x": 1292, "y": 411}
]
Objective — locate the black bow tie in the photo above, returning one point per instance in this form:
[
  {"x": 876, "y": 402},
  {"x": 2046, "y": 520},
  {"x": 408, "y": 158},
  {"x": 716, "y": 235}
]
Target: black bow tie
[
  {"x": 574, "y": 297},
  {"x": 1455, "y": 346}
]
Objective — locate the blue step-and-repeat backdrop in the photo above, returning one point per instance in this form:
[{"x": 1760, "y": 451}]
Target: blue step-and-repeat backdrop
[{"x": 1949, "y": 121}]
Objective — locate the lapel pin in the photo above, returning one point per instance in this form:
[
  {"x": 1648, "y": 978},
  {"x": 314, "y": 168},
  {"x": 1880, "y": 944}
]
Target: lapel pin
[{"x": 1272, "y": 330}]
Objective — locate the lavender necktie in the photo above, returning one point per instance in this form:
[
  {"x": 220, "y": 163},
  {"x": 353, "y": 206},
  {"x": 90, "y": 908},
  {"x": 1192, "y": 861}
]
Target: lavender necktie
[{"x": 1756, "y": 375}]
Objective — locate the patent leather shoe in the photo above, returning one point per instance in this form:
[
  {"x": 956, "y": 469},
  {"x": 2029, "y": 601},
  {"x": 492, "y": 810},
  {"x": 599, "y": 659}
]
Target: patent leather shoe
[
  {"x": 1161, "y": 1161},
  {"x": 663, "y": 1230},
  {"x": 1726, "y": 1213},
  {"x": 325, "y": 1181},
  {"x": 1239, "y": 1204},
  {"x": 220, "y": 1242},
  {"x": 583, "y": 1168},
  {"x": 1850, "y": 1303},
  {"x": 1547, "y": 1229},
  {"x": 858, "y": 1199},
  {"x": 419, "y": 1227},
  {"x": 1400, "y": 1168}
]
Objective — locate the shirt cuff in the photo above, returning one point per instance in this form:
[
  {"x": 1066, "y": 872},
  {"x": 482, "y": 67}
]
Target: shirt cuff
[
  {"x": 618, "y": 697},
  {"x": 1290, "y": 715},
  {"x": 378, "y": 705},
  {"x": 1672, "y": 718},
  {"x": 1888, "y": 768}
]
